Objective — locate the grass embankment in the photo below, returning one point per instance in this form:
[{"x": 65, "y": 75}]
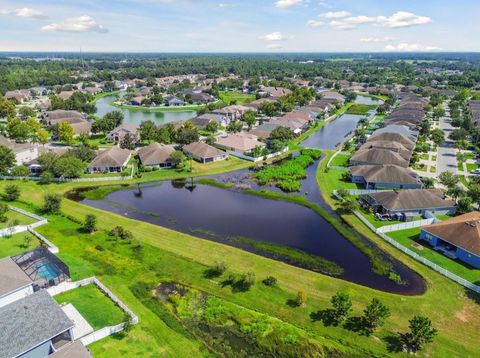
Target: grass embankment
[
  {"x": 288, "y": 174},
  {"x": 166, "y": 255},
  {"x": 360, "y": 109},
  {"x": 292, "y": 256},
  {"x": 226, "y": 328},
  {"x": 93, "y": 305},
  {"x": 340, "y": 160}
]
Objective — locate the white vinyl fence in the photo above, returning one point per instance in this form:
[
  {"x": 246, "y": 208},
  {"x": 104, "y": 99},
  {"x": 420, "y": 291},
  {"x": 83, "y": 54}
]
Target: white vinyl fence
[
  {"x": 406, "y": 225},
  {"x": 414, "y": 255},
  {"x": 9, "y": 231},
  {"x": 105, "y": 331}
]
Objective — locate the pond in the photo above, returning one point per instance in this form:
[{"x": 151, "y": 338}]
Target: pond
[
  {"x": 335, "y": 132},
  {"x": 138, "y": 116},
  {"x": 222, "y": 215}
]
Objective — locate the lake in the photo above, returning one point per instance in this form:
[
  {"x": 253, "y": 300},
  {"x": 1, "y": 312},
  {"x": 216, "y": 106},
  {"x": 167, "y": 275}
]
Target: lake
[
  {"x": 335, "y": 132},
  {"x": 219, "y": 215},
  {"x": 136, "y": 117}
]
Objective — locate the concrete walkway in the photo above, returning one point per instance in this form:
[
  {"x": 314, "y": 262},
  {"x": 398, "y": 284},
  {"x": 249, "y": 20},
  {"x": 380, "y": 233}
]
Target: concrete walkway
[{"x": 447, "y": 157}]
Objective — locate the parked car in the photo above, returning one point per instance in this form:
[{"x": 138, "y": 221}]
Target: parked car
[{"x": 475, "y": 171}]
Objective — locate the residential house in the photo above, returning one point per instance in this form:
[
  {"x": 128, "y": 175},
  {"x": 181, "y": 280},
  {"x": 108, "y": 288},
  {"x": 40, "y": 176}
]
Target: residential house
[
  {"x": 64, "y": 95},
  {"x": 385, "y": 176},
  {"x": 72, "y": 350},
  {"x": 77, "y": 120},
  {"x": 274, "y": 92},
  {"x": 173, "y": 101},
  {"x": 233, "y": 112},
  {"x": 18, "y": 96},
  {"x": 238, "y": 144},
  {"x": 376, "y": 156},
  {"x": 340, "y": 98},
  {"x": 136, "y": 101},
  {"x": 24, "y": 152},
  {"x": 156, "y": 155},
  {"x": 204, "y": 153},
  {"x": 203, "y": 120},
  {"x": 14, "y": 282},
  {"x": 407, "y": 204},
  {"x": 34, "y": 326},
  {"x": 396, "y": 147},
  {"x": 407, "y": 141},
  {"x": 257, "y": 103},
  {"x": 403, "y": 130},
  {"x": 297, "y": 125},
  {"x": 122, "y": 130},
  {"x": 458, "y": 237},
  {"x": 264, "y": 130},
  {"x": 39, "y": 91},
  {"x": 114, "y": 159}
]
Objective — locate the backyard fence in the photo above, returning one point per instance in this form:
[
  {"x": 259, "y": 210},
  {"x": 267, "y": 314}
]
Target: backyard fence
[
  {"x": 69, "y": 285},
  {"x": 101, "y": 334},
  {"x": 406, "y": 225},
  {"x": 9, "y": 231},
  {"x": 51, "y": 247},
  {"x": 412, "y": 254}
]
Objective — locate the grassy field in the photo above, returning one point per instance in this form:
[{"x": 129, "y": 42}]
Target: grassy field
[
  {"x": 360, "y": 109},
  {"x": 159, "y": 255},
  {"x": 228, "y": 97},
  {"x": 15, "y": 244},
  {"x": 16, "y": 218},
  {"x": 93, "y": 305},
  {"x": 340, "y": 160}
]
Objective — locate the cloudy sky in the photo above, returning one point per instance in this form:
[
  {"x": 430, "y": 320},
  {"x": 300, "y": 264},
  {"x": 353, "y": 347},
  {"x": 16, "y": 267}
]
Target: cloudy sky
[{"x": 239, "y": 25}]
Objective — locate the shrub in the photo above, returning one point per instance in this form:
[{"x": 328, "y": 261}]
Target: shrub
[
  {"x": 90, "y": 223},
  {"x": 51, "y": 203},
  {"x": 301, "y": 299},
  {"x": 270, "y": 281},
  {"x": 11, "y": 192}
]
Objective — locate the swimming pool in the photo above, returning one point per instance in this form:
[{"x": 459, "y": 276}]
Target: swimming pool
[{"x": 48, "y": 271}]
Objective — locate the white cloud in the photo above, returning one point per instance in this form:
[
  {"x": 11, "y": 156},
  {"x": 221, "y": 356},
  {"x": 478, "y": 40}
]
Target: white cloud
[
  {"x": 76, "y": 24},
  {"x": 315, "y": 23},
  {"x": 25, "y": 12},
  {"x": 274, "y": 47},
  {"x": 410, "y": 47},
  {"x": 402, "y": 19},
  {"x": 358, "y": 20},
  {"x": 274, "y": 36},
  {"x": 282, "y": 4},
  {"x": 376, "y": 39},
  {"x": 341, "y": 25},
  {"x": 335, "y": 14},
  {"x": 325, "y": 4}
]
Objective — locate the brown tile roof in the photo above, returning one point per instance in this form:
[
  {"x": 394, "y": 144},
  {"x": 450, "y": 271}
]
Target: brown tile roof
[
  {"x": 203, "y": 150},
  {"x": 386, "y": 174},
  {"x": 411, "y": 199},
  {"x": 155, "y": 153},
  {"x": 12, "y": 277},
  {"x": 462, "y": 231},
  {"x": 61, "y": 114}
]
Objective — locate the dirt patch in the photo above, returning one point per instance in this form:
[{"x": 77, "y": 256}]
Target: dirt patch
[{"x": 167, "y": 289}]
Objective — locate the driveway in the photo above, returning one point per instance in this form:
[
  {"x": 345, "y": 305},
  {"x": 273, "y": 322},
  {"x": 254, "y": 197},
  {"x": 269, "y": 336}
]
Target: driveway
[{"x": 447, "y": 157}]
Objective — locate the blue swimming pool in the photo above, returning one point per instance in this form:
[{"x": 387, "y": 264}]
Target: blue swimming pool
[{"x": 48, "y": 271}]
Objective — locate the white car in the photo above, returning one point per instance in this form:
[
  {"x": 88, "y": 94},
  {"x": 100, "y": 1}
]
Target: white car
[{"x": 475, "y": 171}]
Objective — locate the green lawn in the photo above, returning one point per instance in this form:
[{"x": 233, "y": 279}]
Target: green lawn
[
  {"x": 375, "y": 222},
  {"x": 16, "y": 244},
  {"x": 228, "y": 97},
  {"x": 360, "y": 109},
  {"x": 16, "y": 218},
  {"x": 340, "y": 160},
  {"x": 472, "y": 166},
  {"x": 409, "y": 238},
  {"x": 99, "y": 310}
]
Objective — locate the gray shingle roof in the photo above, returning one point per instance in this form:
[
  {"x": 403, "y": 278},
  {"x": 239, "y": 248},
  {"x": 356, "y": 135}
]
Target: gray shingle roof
[
  {"x": 411, "y": 199},
  {"x": 392, "y": 174},
  {"x": 74, "y": 350},
  {"x": 113, "y": 157},
  {"x": 203, "y": 150},
  {"x": 155, "y": 153},
  {"x": 12, "y": 277},
  {"x": 30, "y": 321}
]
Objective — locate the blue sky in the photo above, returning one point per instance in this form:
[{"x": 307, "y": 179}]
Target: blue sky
[{"x": 239, "y": 26}]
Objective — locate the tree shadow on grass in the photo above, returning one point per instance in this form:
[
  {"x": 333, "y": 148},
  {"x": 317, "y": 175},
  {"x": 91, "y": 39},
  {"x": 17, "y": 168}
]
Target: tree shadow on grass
[
  {"x": 327, "y": 316},
  {"x": 211, "y": 273},
  {"x": 292, "y": 303},
  {"x": 356, "y": 324},
  {"x": 394, "y": 343}
]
